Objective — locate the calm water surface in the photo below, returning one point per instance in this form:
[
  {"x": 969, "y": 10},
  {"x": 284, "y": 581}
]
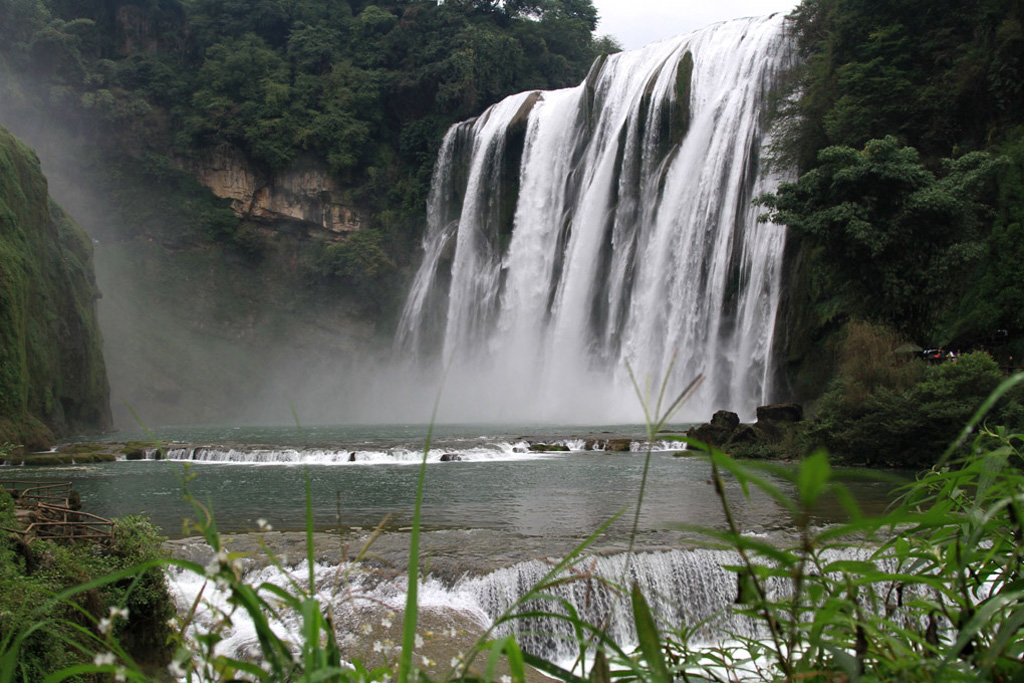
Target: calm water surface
[{"x": 560, "y": 495}]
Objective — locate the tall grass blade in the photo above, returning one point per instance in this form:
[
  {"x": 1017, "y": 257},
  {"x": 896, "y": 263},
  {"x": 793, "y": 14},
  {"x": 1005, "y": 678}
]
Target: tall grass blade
[
  {"x": 412, "y": 586},
  {"x": 650, "y": 640}
]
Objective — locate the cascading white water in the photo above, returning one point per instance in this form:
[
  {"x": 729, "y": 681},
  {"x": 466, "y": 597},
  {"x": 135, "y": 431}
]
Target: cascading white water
[
  {"x": 571, "y": 232},
  {"x": 687, "y": 590}
]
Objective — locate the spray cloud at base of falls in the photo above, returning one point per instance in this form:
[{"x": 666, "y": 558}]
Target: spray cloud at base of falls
[{"x": 571, "y": 232}]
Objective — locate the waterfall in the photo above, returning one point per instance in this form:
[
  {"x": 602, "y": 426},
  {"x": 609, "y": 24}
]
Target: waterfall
[{"x": 573, "y": 231}]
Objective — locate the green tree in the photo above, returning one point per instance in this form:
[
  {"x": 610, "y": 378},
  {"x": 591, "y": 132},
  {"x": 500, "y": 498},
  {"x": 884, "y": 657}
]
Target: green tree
[{"x": 890, "y": 240}]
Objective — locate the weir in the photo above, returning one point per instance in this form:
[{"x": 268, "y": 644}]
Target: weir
[{"x": 575, "y": 231}]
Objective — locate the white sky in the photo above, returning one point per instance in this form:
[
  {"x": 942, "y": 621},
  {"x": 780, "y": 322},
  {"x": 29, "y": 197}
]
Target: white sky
[{"x": 636, "y": 23}]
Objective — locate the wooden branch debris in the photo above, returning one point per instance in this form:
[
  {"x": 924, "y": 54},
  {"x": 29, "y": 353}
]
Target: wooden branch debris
[{"x": 51, "y": 511}]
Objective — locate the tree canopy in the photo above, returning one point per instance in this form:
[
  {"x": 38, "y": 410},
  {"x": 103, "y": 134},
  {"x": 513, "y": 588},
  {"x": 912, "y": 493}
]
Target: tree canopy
[
  {"x": 892, "y": 240},
  {"x": 905, "y": 122}
]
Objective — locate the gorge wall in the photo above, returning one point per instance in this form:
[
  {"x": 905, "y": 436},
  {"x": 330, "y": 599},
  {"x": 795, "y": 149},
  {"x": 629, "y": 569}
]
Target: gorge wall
[{"x": 53, "y": 379}]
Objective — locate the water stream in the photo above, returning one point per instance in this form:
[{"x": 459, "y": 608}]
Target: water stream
[{"x": 575, "y": 231}]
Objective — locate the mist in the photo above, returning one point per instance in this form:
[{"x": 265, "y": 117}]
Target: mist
[{"x": 194, "y": 334}]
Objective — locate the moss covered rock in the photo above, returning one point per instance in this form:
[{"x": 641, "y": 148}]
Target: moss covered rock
[{"x": 52, "y": 377}]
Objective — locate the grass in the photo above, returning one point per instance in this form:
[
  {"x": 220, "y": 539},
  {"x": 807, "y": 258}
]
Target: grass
[{"x": 931, "y": 590}]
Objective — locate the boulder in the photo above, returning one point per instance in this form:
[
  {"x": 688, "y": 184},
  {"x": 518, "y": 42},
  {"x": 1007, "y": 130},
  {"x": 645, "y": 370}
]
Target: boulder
[
  {"x": 135, "y": 454},
  {"x": 725, "y": 419},
  {"x": 781, "y": 412},
  {"x": 618, "y": 445},
  {"x": 451, "y": 457}
]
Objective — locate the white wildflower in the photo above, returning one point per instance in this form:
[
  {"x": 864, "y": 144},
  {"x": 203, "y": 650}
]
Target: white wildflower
[
  {"x": 505, "y": 679},
  {"x": 366, "y": 629},
  {"x": 211, "y": 570},
  {"x": 427, "y": 661},
  {"x": 104, "y": 659},
  {"x": 455, "y": 662},
  {"x": 121, "y": 674},
  {"x": 378, "y": 646},
  {"x": 385, "y": 622},
  {"x": 176, "y": 669},
  {"x": 419, "y": 640},
  {"x": 263, "y": 524},
  {"x": 452, "y": 632},
  {"x": 222, "y": 583},
  {"x": 119, "y": 612},
  {"x": 105, "y": 626}
]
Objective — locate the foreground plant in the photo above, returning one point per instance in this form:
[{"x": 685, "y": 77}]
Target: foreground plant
[{"x": 932, "y": 590}]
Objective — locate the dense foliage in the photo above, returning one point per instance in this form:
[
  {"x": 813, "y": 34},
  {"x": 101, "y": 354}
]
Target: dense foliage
[
  {"x": 905, "y": 123},
  {"x": 945, "y": 77},
  {"x": 892, "y": 240}
]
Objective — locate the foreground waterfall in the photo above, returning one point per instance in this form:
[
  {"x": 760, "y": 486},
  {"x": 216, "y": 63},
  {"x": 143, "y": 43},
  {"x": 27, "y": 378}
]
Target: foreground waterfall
[{"x": 575, "y": 230}]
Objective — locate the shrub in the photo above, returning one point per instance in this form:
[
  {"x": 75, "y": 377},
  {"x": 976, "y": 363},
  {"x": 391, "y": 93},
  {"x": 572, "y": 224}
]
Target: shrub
[
  {"x": 45, "y": 633},
  {"x": 884, "y": 411}
]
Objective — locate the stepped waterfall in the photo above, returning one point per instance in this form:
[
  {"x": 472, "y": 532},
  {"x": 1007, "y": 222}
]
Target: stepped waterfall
[{"x": 573, "y": 232}]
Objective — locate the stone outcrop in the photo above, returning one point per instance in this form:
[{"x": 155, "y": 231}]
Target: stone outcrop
[
  {"x": 305, "y": 193},
  {"x": 725, "y": 428},
  {"x": 719, "y": 431}
]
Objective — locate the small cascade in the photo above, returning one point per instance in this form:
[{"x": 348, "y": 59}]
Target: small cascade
[
  {"x": 571, "y": 232},
  {"x": 683, "y": 588},
  {"x": 496, "y": 450}
]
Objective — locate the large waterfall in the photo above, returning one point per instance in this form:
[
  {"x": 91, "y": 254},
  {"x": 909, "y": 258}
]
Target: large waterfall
[{"x": 575, "y": 231}]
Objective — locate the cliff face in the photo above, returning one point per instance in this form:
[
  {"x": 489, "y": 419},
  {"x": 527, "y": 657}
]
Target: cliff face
[
  {"x": 305, "y": 193},
  {"x": 53, "y": 380}
]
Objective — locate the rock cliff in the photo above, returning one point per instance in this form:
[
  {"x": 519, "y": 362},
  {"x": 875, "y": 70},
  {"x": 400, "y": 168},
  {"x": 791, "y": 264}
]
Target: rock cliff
[
  {"x": 53, "y": 380},
  {"x": 305, "y": 193}
]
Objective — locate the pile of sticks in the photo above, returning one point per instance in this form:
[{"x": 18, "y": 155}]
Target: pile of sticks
[{"x": 51, "y": 511}]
